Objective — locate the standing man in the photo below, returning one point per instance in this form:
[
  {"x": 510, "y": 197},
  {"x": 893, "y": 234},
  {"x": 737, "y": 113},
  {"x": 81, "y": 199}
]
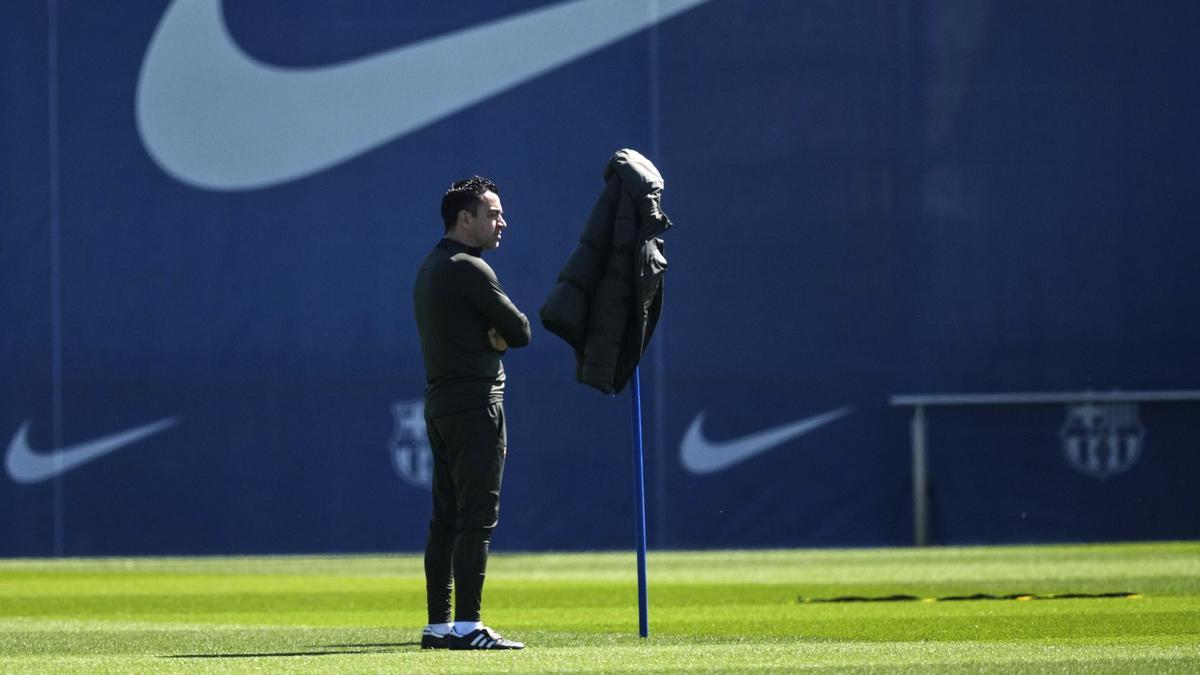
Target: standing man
[{"x": 466, "y": 322}]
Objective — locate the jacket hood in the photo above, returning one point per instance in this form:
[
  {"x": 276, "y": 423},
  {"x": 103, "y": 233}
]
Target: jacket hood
[{"x": 645, "y": 184}]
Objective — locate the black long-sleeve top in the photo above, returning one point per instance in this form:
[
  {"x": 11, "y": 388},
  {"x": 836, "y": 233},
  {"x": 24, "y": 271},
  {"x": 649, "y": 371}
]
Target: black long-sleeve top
[{"x": 457, "y": 299}]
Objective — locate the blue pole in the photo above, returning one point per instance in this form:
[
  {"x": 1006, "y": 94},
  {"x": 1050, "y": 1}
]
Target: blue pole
[{"x": 640, "y": 507}]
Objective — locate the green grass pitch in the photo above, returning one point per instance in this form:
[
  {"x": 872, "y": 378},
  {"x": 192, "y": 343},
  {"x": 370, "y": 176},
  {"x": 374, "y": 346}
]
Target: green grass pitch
[{"x": 709, "y": 612}]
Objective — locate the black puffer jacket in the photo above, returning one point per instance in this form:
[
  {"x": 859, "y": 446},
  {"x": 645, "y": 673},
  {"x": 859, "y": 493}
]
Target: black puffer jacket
[{"x": 609, "y": 294}]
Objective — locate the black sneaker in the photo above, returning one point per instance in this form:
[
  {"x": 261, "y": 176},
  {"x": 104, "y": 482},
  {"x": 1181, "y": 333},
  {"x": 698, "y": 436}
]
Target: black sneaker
[
  {"x": 431, "y": 640},
  {"x": 482, "y": 638}
]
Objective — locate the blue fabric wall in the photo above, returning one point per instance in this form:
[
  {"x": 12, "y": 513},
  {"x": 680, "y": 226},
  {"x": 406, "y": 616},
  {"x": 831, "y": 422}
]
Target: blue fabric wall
[{"x": 871, "y": 198}]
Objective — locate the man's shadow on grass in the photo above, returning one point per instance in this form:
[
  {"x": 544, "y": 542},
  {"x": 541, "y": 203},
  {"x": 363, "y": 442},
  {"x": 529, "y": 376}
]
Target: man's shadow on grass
[{"x": 322, "y": 650}]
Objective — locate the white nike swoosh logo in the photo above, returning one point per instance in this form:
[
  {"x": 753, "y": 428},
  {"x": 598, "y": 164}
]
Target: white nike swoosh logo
[
  {"x": 213, "y": 117},
  {"x": 28, "y": 466},
  {"x": 700, "y": 455}
]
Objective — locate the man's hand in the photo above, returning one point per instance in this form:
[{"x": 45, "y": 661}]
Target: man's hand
[{"x": 497, "y": 342}]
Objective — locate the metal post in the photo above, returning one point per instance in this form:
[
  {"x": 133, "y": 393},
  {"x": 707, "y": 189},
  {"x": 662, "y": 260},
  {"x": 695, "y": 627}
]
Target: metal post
[
  {"x": 920, "y": 479},
  {"x": 640, "y": 506}
]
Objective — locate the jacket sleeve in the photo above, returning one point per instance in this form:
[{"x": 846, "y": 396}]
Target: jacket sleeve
[
  {"x": 485, "y": 294},
  {"x": 565, "y": 312},
  {"x": 612, "y": 306}
]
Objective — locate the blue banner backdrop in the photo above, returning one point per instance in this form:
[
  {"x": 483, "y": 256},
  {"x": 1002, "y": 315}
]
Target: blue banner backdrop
[{"x": 213, "y": 213}]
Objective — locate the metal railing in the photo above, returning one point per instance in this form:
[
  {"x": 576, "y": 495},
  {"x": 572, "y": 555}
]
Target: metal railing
[{"x": 920, "y": 454}]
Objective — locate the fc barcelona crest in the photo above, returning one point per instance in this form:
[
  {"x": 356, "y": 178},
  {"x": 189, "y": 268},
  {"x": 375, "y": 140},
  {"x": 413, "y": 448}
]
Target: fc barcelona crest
[
  {"x": 1102, "y": 439},
  {"x": 409, "y": 446}
]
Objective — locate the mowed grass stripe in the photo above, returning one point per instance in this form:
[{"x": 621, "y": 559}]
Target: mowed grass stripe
[
  {"x": 710, "y": 611},
  {"x": 655, "y": 655}
]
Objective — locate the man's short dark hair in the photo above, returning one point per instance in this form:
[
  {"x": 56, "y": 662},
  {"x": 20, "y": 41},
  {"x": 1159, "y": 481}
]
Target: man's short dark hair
[{"x": 465, "y": 195}]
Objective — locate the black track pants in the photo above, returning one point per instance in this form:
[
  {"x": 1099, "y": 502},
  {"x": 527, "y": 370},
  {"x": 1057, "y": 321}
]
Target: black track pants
[{"x": 468, "y": 463}]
